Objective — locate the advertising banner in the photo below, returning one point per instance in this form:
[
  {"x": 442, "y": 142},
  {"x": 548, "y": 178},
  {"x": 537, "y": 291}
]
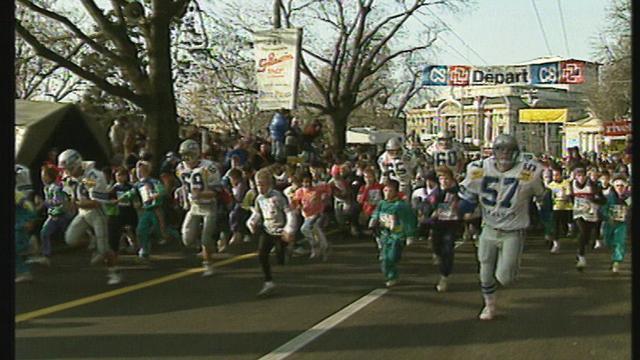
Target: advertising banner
[
  {"x": 277, "y": 55},
  {"x": 543, "y": 115},
  {"x": 617, "y": 128},
  {"x": 559, "y": 72}
]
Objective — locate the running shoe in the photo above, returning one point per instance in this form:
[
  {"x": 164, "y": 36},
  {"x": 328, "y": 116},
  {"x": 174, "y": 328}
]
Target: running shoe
[{"x": 267, "y": 289}]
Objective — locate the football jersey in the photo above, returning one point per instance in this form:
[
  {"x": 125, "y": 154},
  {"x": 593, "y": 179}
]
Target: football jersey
[
  {"x": 92, "y": 186},
  {"x": 452, "y": 158},
  {"x": 204, "y": 176},
  {"x": 504, "y": 197},
  {"x": 400, "y": 168}
]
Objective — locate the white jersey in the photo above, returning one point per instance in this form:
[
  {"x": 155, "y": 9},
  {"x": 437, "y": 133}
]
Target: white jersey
[
  {"x": 452, "y": 158},
  {"x": 583, "y": 205},
  {"x": 204, "y": 176},
  {"x": 504, "y": 197},
  {"x": 399, "y": 168}
]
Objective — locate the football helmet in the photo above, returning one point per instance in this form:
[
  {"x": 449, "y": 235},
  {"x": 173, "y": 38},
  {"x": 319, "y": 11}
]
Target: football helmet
[
  {"x": 189, "y": 150},
  {"x": 70, "y": 160},
  {"x": 506, "y": 151},
  {"x": 393, "y": 144}
]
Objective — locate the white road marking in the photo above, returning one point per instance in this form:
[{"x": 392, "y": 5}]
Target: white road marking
[{"x": 320, "y": 328}]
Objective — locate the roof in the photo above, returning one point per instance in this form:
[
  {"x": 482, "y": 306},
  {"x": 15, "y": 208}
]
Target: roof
[
  {"x": 31, "y": 112},
  {"x": 555, "y": 58},
  {"x": 40, "y": 125}
]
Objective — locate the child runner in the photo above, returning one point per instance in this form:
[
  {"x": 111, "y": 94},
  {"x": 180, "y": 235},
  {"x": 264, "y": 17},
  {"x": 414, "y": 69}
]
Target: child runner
[
  {"x": 616, "y": 213},
  {"x": 311, "y": 200},
  {"x": 396, "y": 223},
  {"x": 273, "y": 222}
]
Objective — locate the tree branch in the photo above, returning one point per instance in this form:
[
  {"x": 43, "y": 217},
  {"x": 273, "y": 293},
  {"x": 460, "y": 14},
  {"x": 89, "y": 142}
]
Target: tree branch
[
  {"x": 367, "y": 97},
  {"x": 101, "y": 83},
  {"x": 314, "y": 55}
]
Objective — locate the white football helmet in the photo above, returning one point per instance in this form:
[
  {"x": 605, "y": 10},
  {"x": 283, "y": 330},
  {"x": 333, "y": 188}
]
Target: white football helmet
[
  {"x": 23, "y": 178},
  {"x": 69, "y": 160},
  {"x": 189, "y": 150},
  {"x": 393, "y": 144},
  {"x": 506, "y": 151}
]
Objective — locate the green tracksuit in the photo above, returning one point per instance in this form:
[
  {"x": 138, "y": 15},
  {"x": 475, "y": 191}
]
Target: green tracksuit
[
  {"x": 615, "y": 214},
  {"x": 397, "y": 222}
]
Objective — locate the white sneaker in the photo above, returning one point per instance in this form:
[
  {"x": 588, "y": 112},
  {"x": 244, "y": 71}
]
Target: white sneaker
[
  {"x": 615, "y": 268},
  {"x": 435, "y": 259},
  {"x": 489, "y": 310},
  {"x": 267, "y": 288},
  {"x": 409, "y": 241},
  {"x": 598, "y": 245},
  {"x": 115, "y": 278},
  {"x": 222, "y": 245},
  {"x": 24, "y": 277},
  {"x": 391, "y": 283},
  {"x": 555, "y": 248},
  {"x": 42, "y": 260},
  {"x": 97, "y": 258},
  {"x": 442, "y": 285},
  {"x": 582, "y": 263},
  {"x": 246, "y": 238},
  {"x": 208, "y": 269},
  {"x": 487, "y": 313}
]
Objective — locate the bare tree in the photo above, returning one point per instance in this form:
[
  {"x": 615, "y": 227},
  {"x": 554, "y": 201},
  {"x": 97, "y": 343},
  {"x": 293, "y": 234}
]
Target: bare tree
[
  {"x": 610, "y": 98},
  {"x": 128, "y": 56}
]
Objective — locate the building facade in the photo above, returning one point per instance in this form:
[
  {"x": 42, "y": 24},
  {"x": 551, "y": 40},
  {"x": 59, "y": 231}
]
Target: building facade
[{"x": 476, "y": 115}]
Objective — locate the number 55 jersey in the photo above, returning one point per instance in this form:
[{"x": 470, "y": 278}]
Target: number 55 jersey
[{"x": 504, "y": 197}]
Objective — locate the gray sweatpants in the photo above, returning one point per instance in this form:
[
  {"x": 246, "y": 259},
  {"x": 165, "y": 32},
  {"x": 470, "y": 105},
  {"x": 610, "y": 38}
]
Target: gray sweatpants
[
  {"x": 85, "y": 220},
  {"x": 499, "y": 254}
]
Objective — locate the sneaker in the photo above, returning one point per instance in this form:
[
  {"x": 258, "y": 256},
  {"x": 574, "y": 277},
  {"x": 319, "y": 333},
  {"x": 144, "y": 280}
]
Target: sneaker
[
  {"x": 246, "y": 238},
  {"x": 208, "y": 269},
  {"x": 300, "y": 250},
  {"x": 267, "y": 288},
  {"x": 97, "y": 258},
  {"x": 391, "y": 283},
  {"x": 115, "y": 278},
  {"x": 24, "y": 277},
  {"x": 487, "y": 313},
  {"x": 234, "y": 239},
  {"x": 582, "y": 263},
  {"x": 354, "y": 231},
  {"x": 615, "y": 268},
  {"x": 598, "y": 245},
  {"x": 555, "y": 248},
  {"x": 163, "y": 240},
  {"x": 409, "y": 241},
  {"x": 489, "y": 310},
  {"x": 222, "y": 245},
  {"x": 442, "y": 285},
  {"x": 42, "y": 260}
]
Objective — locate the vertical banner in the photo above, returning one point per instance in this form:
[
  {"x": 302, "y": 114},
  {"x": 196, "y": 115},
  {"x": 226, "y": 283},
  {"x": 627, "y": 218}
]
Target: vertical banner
[{"x": 277, "y": 56}]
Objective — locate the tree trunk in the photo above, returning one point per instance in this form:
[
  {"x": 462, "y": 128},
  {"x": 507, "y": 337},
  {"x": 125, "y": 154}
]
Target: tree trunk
[
  {"x": 339, "y": 121},
  {"x": 160, "y": 110}
]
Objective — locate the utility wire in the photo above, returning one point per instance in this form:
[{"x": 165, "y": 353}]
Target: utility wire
[
  {"x": 446, "y": 43},
  {"x": 456, "y": 34},
  {"x": 564, "y": 30},
  {"x": 544, "y": 35}
]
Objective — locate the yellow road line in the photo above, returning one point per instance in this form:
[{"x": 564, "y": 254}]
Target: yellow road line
[{"x": 124, "y": 290}]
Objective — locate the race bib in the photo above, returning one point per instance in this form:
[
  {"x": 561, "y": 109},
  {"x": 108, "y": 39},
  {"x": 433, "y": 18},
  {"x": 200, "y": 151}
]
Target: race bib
[
  {"x": 445, "y": 212},
  {"x": 388, "y": 221},
  {"x": 618, "y": 213},
  {"x": 583, "y": 207}
]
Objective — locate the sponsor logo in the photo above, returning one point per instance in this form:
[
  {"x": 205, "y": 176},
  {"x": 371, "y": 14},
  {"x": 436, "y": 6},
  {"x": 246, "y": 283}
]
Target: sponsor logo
[
  {"x": 459, "y": 75},
  {"x": 544, "y": 73},
  {"x": 572, "y": 72},
  {"x": 435, "y": 75}
]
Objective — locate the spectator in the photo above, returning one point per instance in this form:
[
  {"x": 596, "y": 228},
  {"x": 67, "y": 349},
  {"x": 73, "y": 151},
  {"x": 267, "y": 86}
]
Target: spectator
[{"x": 277, "y": 129}]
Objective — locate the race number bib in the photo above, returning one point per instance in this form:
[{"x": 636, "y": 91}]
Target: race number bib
[
  {"x": 582, "y": 207},
  {"x": 388, "y": 221},
  {"x": 445, "y": 212},
  {"x": 618, "y": 213}
]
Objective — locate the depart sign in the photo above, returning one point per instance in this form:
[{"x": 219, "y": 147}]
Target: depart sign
[{"x": 559, "y": 72}]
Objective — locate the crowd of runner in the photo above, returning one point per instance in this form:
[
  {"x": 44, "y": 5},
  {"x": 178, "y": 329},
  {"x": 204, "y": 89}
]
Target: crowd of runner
[{"x": 283, "y": 192}]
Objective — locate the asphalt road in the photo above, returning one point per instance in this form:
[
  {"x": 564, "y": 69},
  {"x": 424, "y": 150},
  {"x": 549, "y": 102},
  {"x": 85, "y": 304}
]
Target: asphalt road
[{"x": 552, "y": 312}]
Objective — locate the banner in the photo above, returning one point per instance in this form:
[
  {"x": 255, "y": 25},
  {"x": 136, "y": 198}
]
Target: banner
[
  {"x": 559, "y": 72},
  {"x": 277, "y": 55},
  {"x": 617, "y": 128},
  {"x": 543, "y": 115}
]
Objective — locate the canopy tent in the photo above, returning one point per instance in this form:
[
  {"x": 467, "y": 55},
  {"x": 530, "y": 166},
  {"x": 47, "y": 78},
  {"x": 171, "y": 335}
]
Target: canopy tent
[{"x": 40, "y": 126}]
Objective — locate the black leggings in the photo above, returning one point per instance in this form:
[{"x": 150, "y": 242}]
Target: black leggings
[
  {"x": 562, "y": 219},
  {"x": 587, "y": 231},
  {"x": 265, "y": 244}
]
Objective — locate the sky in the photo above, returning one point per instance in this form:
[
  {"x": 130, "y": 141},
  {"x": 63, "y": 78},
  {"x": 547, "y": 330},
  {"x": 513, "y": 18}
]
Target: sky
[
  {"x": 502, "y": 32},
  {"x": 508, "y": 32}
]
